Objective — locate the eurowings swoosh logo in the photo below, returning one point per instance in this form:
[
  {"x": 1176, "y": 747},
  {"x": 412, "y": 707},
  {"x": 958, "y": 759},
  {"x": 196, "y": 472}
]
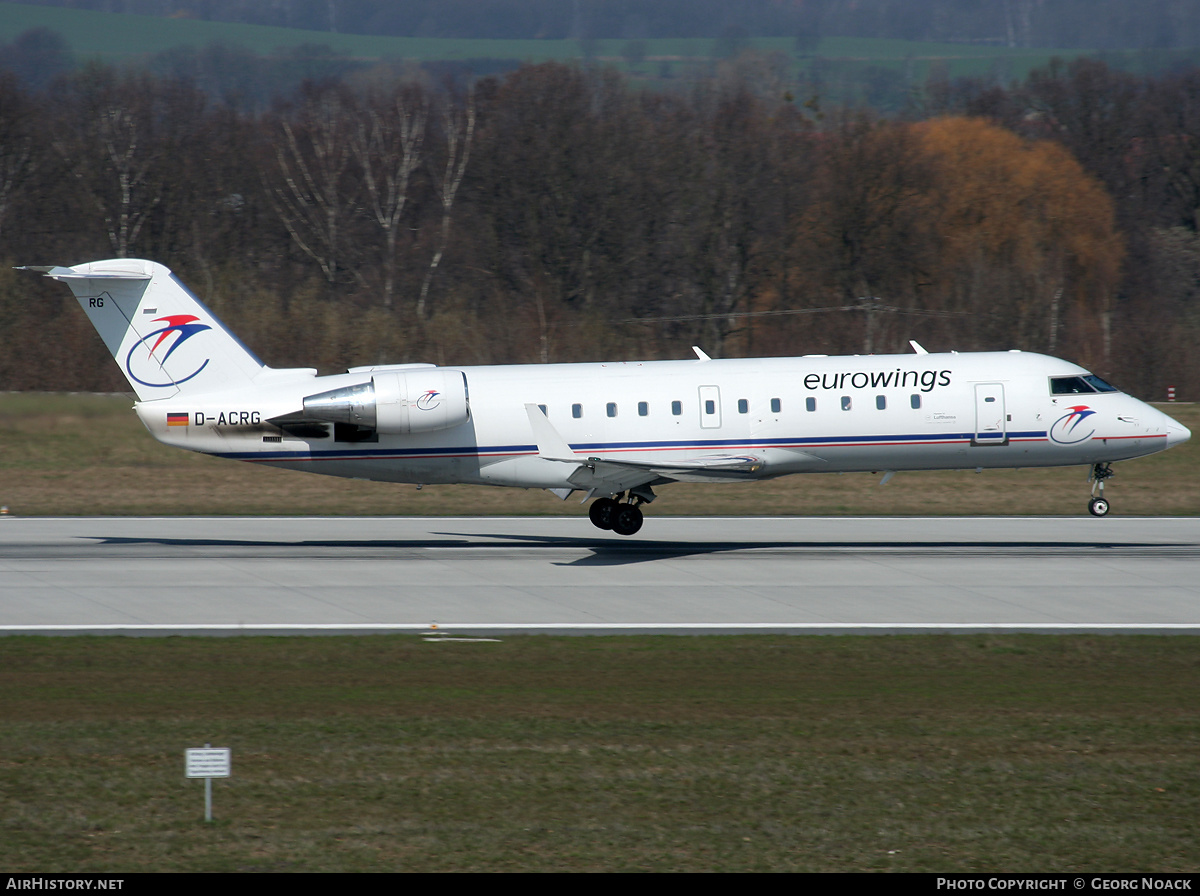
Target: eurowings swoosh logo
[
  {"x": 147, "y": 358},
  {"x": 1066, "y": 429},
  {"x": 429, "y": 400}
]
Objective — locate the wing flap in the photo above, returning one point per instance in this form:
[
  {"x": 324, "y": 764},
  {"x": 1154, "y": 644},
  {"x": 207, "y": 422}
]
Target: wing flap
[{"x": 717, "y": 463}]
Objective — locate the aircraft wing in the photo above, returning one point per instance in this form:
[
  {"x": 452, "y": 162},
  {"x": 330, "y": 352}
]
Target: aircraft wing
[{"x": 621, "y": 474}]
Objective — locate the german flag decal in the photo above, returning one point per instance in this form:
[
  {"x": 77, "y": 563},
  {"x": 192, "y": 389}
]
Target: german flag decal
[{"x": 177, "y": 419}]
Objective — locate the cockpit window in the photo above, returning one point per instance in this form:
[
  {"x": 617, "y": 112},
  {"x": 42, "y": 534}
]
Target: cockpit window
[
  {"x": 1099, "y": 385},
  {"x": 1076, "y": 385},
  {"x": 1069, "y": 385}
]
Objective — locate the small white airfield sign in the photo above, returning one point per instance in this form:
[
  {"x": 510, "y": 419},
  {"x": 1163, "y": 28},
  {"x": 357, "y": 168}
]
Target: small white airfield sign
[{"x": 208, "y": 762}]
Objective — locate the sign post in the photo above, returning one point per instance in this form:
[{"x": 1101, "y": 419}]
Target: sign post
[{"x": 208, "y": 763}]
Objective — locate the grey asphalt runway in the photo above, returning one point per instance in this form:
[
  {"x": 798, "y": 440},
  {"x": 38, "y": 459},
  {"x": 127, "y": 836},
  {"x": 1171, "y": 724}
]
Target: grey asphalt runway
[{"x": 539, "y": 574}]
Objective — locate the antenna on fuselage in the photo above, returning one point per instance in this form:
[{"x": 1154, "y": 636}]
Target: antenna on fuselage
[
  {"x": 700, "y": 353},
  {"x": 917, "y": 347}
]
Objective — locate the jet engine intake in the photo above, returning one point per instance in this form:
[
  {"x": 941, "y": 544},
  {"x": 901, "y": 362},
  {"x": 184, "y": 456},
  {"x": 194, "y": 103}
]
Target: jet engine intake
[{"x": 396, "y": 402}]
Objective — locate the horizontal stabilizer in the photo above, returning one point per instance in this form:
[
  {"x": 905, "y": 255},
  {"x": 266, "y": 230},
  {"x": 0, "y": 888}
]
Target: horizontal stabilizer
[{"x": 62, "y": 273}]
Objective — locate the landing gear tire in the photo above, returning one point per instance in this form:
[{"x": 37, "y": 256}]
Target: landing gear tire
[
  {"x": 1099, "y": 475},
  {"x": 602, "y": 512},
  {"x": 627, "y": 520}
]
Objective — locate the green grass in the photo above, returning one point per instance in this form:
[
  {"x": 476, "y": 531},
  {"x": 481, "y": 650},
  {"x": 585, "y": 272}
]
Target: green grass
[
  {"x": 115, "y": 37},
  {"x": 972, "y": 753},
  {"x": 89, "y": 455},
  {"x": 842, "y": 71}
]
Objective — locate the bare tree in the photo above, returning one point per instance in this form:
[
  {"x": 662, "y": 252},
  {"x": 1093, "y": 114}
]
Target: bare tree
[
  {"x": 114, "y": 155},
  {"x": 459, "y": 127},
  {"x": 18, "y": 158},
  {"x": 314, "y": 190},
  {"x": 386, "y": 141}
]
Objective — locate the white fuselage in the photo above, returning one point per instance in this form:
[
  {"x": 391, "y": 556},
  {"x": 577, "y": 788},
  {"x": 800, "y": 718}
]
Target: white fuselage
[
  {"x": 785, "y": 415},
  {"x": 610, "y": 430}
]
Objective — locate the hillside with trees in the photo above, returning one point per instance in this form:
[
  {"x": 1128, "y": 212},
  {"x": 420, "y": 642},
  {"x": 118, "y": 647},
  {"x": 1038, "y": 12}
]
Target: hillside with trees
[
  {"x": 1091, "y": 24},
  {"x": 563, "y": 213}
]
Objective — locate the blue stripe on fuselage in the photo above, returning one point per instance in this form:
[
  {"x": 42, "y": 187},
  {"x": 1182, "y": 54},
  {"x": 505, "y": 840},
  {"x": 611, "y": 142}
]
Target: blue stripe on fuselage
[{"x": 692, "y": 445}]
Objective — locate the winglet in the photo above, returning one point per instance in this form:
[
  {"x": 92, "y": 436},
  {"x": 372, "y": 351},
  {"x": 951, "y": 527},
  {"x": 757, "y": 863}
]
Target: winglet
[{"x": 550, "y": 444}]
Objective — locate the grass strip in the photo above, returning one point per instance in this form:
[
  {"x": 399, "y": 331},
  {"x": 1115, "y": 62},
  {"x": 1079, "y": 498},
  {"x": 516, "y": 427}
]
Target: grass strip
[{"x": 762, "y": 753}]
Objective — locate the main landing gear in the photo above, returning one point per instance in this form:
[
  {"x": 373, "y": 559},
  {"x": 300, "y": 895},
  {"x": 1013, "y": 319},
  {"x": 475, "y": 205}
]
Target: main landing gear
[
  {"x": 1098, "y": 506},
  {"x": 624, "y": 518}
]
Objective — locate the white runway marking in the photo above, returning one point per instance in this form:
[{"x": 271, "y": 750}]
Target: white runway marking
[{"x": 830, "y": 627}]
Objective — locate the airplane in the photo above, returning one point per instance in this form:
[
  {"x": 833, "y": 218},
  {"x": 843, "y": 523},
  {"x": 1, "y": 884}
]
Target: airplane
[{"x": 613, "y": 431}]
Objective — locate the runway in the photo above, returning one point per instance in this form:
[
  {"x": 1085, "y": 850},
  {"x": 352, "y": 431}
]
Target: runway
[{"x": 537, "y": 574}]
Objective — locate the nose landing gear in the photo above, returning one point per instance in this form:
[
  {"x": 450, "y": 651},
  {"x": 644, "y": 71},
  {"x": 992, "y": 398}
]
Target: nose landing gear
[
  {"x": 1098, "y": 506},
  {"x": 622, "y": 518}
]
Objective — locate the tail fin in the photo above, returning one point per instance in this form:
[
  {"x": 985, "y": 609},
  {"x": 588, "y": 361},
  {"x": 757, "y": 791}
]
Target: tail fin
[{"x": 163, "y": 337}]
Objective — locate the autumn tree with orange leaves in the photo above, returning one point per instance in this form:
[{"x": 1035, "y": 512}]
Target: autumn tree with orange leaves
[
  {"x": 1028, "y": 243},
  {"x": 958, "y": 233}
]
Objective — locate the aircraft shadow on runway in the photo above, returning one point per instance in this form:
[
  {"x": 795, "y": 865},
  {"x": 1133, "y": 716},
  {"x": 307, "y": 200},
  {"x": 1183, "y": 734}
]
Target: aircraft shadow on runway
[
  {"x": 616, "y": 553},
  {"x": 608, "y": 552}
]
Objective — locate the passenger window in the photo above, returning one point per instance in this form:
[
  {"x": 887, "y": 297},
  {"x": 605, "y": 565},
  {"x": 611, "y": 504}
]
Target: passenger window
[
  {"x": 611, "y": 409},
  {"x": 643, "y": 408},
  {"x": 881, "y": 402},
  {"x": 710, "y": 406},
  {"x": 915, "y": 401},
  {"x": 743, "y": 406},
  {"x": 845, "y": 402},
  {"x": 576, "y": 411},
  {"x": 776, "y": 405},
  {"x": 810, "y": 404},
  {"x": 677, "y": 408}
]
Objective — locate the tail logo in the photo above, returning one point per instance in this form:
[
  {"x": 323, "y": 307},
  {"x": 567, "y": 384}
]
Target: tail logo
[
  {"x": 1066, "y": 429},
  {"x": 147, "y": 359}
]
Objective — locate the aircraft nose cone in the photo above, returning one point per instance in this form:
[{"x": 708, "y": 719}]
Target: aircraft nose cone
[{"x": 1177, "y": 434}]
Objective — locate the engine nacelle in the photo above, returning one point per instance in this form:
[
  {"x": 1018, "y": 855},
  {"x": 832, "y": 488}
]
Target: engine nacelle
[{"x": 396, "y": 402}]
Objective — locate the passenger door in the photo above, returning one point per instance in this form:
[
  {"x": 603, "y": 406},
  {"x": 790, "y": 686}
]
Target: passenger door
[
  {"x": 991, "y": 420},
  {"x": 710, "y": 407}
]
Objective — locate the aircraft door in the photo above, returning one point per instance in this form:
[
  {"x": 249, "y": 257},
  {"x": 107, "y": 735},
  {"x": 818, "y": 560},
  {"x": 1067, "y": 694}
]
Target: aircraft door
[
  {"x": 991, "y": 420},
  {"x": 710, "y": 407}
]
